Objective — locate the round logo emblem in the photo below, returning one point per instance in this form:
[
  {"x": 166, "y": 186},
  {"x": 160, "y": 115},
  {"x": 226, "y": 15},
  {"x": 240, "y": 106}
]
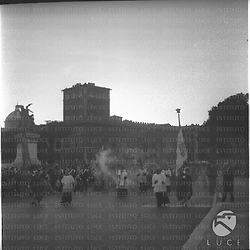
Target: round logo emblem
[{"x": 224, "y": 223}]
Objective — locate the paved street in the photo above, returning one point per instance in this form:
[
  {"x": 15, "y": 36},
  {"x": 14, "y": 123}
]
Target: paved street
[{"x": 101, "y": 220}]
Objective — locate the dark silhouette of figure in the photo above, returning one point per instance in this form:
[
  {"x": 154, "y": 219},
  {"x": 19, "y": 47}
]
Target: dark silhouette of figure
[
  {"x": 37, "y": 184},
  {"x": 228, "y": 184},
  {"x": 142, "y": 180},
  {"x": 184, "y": 186},
  {"x": 84, "y": 175},
  {"x": 212, "y": 175},
  {"x": 18, "y": 179}
]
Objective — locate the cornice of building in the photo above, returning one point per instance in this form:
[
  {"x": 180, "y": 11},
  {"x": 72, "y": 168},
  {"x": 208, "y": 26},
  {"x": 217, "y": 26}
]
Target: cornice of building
[{"x": 89, "y": 85}]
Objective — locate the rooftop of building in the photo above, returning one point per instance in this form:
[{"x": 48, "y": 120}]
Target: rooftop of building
[{"x": 89, "y": 84}]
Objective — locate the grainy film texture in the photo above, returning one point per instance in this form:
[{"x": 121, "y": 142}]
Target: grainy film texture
[{"x": 125, "y": 126}]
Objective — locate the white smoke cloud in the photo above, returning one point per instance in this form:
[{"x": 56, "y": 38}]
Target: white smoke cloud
[
  {"x": 107, "y": 164},
  {"x": 105, "y": 160}
]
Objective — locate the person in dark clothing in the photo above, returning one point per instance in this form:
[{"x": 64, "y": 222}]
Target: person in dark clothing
[
  {"x": 184, "y": 187},
  {"x": 142, "y": 180},
  {"x": 228, "y": 185},
  {"x": 52, "y": 178},
  {"x": 17, "y": 178},
  {"x": 84, "y": 175},
  {"x": 212, "y": 176},
  {"x": 149, "y": 178},
  {"x": 37, "y": 185}
]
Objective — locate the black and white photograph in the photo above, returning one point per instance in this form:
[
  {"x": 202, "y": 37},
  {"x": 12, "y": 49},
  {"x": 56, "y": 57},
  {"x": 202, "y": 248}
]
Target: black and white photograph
[{"x": 125, "y": 125}]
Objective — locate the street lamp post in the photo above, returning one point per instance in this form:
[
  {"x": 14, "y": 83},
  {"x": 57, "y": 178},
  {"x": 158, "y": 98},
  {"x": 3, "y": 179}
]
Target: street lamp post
[{"x": 178, "y": 112}]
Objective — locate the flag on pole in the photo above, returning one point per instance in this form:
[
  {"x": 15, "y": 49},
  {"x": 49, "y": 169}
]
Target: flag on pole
[{"x": 181, "y": 151}]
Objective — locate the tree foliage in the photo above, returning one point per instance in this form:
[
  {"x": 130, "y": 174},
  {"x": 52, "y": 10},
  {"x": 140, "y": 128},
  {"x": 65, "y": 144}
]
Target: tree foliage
[{"x": 228, "y": 128}]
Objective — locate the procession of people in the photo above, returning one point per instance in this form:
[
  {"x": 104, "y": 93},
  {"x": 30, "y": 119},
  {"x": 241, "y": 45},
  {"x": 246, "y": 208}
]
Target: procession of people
[{"x": 67, "y": 180}]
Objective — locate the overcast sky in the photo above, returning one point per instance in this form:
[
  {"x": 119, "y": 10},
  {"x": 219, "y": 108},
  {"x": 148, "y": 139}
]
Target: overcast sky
[{"x": 155, "y": 56}]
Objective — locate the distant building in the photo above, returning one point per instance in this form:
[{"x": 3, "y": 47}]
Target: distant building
[
  {"x": 86, "y": 102},
  {"x": 115, "y": 118},
  {"x": 87, "y": 128},
  {"x": 13, "y": 120}
]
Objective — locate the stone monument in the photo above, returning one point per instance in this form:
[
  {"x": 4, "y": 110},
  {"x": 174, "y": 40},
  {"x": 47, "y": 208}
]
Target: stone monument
[{"x": 23, "y": 122}]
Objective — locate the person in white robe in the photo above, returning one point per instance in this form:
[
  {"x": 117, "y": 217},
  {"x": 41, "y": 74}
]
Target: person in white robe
[{"x": 159, "y": 185}]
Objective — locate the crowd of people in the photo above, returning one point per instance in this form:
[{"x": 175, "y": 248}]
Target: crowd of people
[
  {"x": 64, "y": 180},
  {"x": 45, "y": 179}
]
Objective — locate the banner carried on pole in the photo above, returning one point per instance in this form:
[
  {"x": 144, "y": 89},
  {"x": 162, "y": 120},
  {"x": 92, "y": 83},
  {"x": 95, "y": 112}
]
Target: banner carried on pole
[{"x": 181, "y": 151}]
